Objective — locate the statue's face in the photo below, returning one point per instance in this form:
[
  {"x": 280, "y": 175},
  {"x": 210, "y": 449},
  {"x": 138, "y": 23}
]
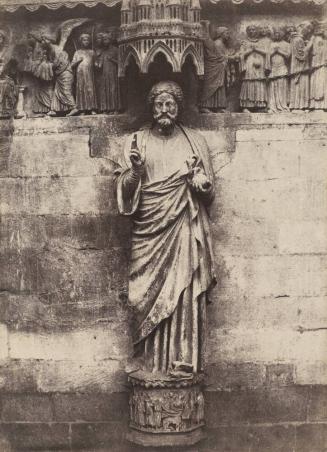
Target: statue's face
[
  {"x": 226, "y": 36},
  {"x": 251, "y": 31},
  {"x": 165, "y": 110},
  {"x": 277, "y": 35},
  {"x": 85, "y": 41},
  {"x": 106, "y": 40},
  {"x": 98, "y": 39}
]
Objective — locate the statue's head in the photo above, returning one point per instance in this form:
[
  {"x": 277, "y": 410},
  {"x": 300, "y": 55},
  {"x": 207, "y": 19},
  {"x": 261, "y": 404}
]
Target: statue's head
[
  {"x": 85, "y": 40},
  {"x": 165, "y": 100},
  {"x": 106, "y": 39},
  {"x": 278, "y": 34},
  {"x": 265, "y": 31},
  {"x": 252, "y": 31},
  {"x": 223, "y": 33},
  {"x": 98, "y": 39},
  {"x": 306, "y": 29}
]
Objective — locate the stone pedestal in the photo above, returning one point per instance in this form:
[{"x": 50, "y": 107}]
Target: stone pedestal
[{"x": 165, "y": 411}]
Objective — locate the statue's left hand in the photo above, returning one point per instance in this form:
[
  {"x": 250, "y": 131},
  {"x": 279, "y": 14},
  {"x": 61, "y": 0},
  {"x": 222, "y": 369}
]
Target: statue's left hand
[{"x": 196, "y": 176}]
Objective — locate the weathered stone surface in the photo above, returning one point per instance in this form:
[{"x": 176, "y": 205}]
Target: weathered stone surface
[
  {"x": 272, "y": 199},
  {"x": 244, "y": 344},
  {"x": 279, "y": 438},
  {"x": 57, "y": 195},
  {"x": 228, "y": 438},
  {"x": 279, "y": 374},
  {"x": 26, "y": 408},
  {"x": 36, "y": 436},
  {"x": 91, "y": 407},
  {"x": 311, "y": 438},
  {"x": 317, "y": 406},
  {"x": 257, "y": 406},
  {"x": 3, "y": 342},
  {"x": 108, "y": 435},
  {"x": 272, "y": 134},
  {"x": 36, "y": 232},
  {"x": 234, "y": 376},
  {"x": 268, "y": 276},
  {"x": 311, "y": 373},
  {"x": 94, "y": 344},
  {"x": 303, "y": 237}
]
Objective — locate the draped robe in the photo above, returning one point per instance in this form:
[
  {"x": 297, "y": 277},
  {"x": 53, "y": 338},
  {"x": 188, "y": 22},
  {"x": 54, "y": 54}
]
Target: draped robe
[
  {"x": 318, "y": 83},
  {"x": 171, "y": 267}
]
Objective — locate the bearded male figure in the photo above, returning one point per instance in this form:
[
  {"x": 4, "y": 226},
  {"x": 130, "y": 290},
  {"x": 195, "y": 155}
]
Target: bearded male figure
[{"x": 167, "y": 189}]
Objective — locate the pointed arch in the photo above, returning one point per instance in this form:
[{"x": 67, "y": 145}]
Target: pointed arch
[
  {"x": 194, "y": 54},
  {"x": 130, "y": 52},
  {"x": 160, "y": 47}
]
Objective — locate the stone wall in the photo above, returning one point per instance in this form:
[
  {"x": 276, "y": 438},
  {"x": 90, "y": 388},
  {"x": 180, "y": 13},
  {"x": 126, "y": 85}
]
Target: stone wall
[{"x": 64, "y": 325}]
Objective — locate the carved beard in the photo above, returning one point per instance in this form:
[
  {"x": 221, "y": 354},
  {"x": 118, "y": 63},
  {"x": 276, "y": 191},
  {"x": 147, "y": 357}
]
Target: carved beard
[{"x": 165, "y": 120}]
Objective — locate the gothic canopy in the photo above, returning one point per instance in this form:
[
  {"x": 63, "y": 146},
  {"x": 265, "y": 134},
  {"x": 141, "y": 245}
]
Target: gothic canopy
[{"x": 33, "y": 5}]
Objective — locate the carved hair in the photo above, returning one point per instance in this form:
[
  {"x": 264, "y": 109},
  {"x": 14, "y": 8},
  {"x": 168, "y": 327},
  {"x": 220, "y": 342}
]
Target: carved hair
[
  {"x": 220, "y": 31},
  {"x": 169, "y": 87}
]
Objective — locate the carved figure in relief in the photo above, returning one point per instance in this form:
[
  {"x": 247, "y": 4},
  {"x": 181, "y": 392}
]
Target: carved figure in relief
[
  {"x": 280, "y": 53},
  {"x": 38, "y": 64},
  {"x": 167, "y": 187},
  {"x": 217, "y": 76},
  {"x": 4, "y": 48},
  {"x": 8, "y": 91},
  {"x": 107, "y": 75},
  {"x": 300, "y": 65},
  {"x": 318, "y": 82},
  {"x": 62, "y": 100},
  {"x": 83, "y": 61},
  {"x": 255, "y": 64}
]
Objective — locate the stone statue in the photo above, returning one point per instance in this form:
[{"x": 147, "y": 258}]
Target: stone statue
[
  {"x": 107, "y": 67},
  {"x": 318, "y": 82},
  {"x": 62, "y": 99},
  {"x": 38, "y": 64},
  {"x": 216, "y": 72},
  {"x": 83, "y": 61},
  {"x": 8, "y": 91},
  {"x": 4, "y": 48},
  {"x": 300, "y": 66},
  {"x": 255, "y": 64},
  {"x": 278, "y": 85},
  {"x": 167, "y": 188}
]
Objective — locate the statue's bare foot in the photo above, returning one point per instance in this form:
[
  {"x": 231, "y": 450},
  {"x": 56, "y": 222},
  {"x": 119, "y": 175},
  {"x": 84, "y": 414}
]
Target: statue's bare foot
[
  {"x": 245, "y": 110},
  {"x": 93, "y": 112},
  {"x": 73, "y": 112},
  {"x": 52, "y": 113}
]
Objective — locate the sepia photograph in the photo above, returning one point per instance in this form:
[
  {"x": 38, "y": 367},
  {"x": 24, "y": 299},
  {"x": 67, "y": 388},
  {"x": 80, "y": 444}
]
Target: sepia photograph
[{"x": 163, "y": 225}]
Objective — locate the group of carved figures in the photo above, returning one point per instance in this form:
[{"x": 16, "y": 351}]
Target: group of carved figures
[
  {"x": 172, "y": 411},
  {"x": 8, "y": 87},
  {"x": 93, "y": 72},
  {"x": 281, "y": 69}
]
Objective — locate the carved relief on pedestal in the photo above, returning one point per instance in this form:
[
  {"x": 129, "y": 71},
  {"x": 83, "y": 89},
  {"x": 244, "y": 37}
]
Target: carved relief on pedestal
[
  {"x": 170, "y": 27},
  {"x": 162, "y": 406}
]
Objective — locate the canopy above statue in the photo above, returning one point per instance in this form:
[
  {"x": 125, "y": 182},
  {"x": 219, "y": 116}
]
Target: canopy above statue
[{"x": 33, "y": 5}]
